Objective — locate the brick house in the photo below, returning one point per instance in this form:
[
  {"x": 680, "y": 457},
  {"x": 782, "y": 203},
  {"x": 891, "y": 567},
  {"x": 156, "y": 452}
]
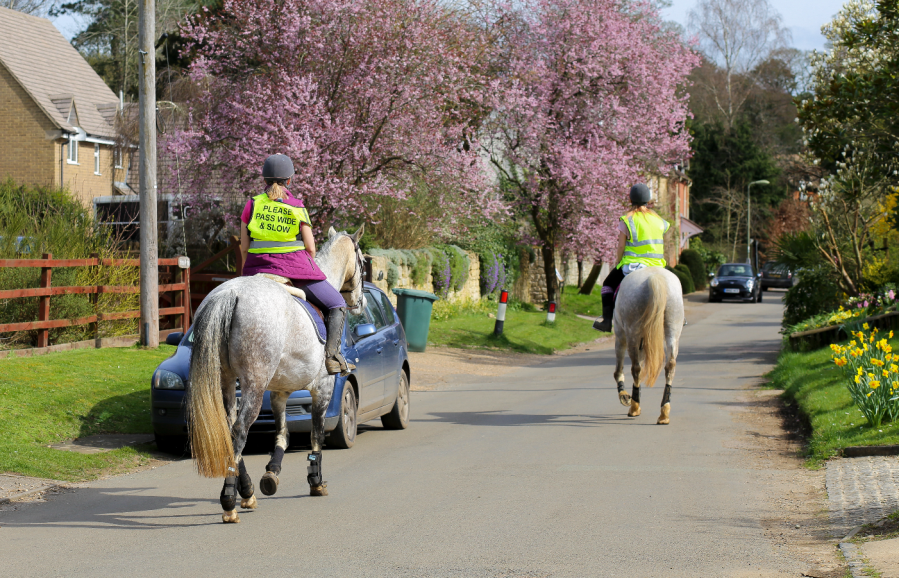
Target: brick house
[
  {"x": 57, "y": 116},
  {"x": 672, "y": 193}
]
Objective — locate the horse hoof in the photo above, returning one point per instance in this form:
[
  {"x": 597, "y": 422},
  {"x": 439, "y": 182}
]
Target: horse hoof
[
  {"x": 230, "y": 517},
  {"x": 624, "y": 398},
  {"x": 321, "y": 490},
  {"x": 248, "y": 503},
  {"x": 635, "y": 409},
  {"x": 269, "y": 484},
  {"x": 664, "y": 419}
]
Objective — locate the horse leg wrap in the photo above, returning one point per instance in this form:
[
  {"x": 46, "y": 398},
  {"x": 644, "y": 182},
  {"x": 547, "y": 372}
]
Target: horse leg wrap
[
  {"x": 245, "y": 485},
  {"x": 623, "y": 397},
  {"x": 274, "y": 464},
  {"x": 315, "y": 469},
  {"x": 228, "y": 498},
  {"x": 666, "y": 397},
  {"x": 635, "y": 394}
]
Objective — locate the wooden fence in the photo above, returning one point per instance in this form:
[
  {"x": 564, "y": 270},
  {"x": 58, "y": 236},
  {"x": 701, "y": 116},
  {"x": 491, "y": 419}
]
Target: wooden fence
[{"x": 181, "y": 289}]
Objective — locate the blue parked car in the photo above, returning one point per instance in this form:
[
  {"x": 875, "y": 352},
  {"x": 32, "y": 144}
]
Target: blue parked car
[{"x": 378, "y": 387}]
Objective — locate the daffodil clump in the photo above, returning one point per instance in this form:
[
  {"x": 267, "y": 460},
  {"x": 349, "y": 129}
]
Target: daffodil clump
[
  {"x": 843, "y": 315},
  {"x": 872, "y": 371}
]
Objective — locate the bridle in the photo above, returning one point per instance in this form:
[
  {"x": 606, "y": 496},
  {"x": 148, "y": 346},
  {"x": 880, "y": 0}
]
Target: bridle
[{"x": 359, "y": 275}]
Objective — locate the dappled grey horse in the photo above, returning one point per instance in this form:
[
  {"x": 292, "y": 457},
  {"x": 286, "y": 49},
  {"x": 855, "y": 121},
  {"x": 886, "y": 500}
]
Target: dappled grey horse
[
  {"x": 649, "y": 317},
  {"x": 251, "y": 330}
]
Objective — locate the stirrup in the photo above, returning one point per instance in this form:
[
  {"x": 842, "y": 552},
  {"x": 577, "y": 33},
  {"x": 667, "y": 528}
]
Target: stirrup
[{"x": 338, "y": 365}]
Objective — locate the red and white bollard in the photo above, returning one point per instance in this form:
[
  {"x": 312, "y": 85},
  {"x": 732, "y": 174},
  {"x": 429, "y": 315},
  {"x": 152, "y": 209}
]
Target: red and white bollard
[
  {"x": 501, "y": 313},
  {"x": 551, "y": 313}
]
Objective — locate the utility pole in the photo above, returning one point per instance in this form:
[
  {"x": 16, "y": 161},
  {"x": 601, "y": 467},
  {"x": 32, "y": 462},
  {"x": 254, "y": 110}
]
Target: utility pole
[
  {"x": 149, "y": 247},
  {"x": 749, "y": 219}
]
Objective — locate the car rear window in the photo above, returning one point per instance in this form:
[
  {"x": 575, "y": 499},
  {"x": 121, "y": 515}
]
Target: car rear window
[{"x": 388, "y": 308}]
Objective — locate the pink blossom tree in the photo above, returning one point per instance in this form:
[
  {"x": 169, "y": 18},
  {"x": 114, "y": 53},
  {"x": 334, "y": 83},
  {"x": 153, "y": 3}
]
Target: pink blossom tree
[
  {"x": 368, "y": 97},
  {"x": 591, "y": 98}
]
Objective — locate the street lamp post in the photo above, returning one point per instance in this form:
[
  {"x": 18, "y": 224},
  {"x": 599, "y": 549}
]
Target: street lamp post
[{"x": 749, "y": 219}]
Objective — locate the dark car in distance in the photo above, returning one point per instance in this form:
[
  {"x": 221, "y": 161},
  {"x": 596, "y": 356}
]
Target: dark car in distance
[
  {"x": 775, "y": 275},
  {"x": 379, "y": 386},
  {"x": 735, "y": 281}
]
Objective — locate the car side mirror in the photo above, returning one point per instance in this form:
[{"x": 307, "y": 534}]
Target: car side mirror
[
  {"x": 711, "y": 275},
  {"x": 364, "y": 330},
  {"x": 174, "y": 338}
]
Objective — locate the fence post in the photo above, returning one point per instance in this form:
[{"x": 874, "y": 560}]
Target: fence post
[
  {"x": 43, "y": 308},
  {"x": 184, "y": 296},
  {"x": 95, "y": 300}
]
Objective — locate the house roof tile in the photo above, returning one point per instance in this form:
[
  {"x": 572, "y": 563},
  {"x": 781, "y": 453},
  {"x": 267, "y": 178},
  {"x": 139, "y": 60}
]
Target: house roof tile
[{"x": 54, "y": 74}]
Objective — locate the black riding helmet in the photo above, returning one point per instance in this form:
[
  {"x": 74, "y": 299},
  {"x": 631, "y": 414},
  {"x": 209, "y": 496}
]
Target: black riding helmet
[
  {"x": 277, "y": 167},
  {"x": 640, "y": 195}
]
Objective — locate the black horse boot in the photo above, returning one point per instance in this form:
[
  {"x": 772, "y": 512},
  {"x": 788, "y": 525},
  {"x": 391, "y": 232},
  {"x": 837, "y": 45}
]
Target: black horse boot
[
  {"x": 606, "y": 323},
  {"x": 334, "y": 360}
]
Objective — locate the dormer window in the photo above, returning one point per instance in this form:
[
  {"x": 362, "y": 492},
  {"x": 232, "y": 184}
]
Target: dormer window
[{"x": 73, "y": 149}]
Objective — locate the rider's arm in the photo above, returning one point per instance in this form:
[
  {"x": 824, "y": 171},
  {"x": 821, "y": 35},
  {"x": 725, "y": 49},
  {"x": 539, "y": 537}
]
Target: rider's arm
[
  {"x": 308, "y": 239},
  {"x": 622, "y": 241},
  {"x": 244, "y": 242}
]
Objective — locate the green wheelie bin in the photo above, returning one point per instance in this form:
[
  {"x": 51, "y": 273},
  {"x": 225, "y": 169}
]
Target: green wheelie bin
[{"x": 414, "y": 310}]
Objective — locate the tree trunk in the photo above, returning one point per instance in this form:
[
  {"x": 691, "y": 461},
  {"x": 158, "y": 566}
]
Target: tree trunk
[
  {"x": 580, "y": 268},
  {"x": 588, "y": 285},
  {"x": 549, "y": 268}
]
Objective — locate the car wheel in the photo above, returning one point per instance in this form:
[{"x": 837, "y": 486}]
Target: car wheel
[
  {"x": 398, "y": 418},
  {"x": 344, "y": 435},
  {"x": 764, "y": 288},
  {"x": 759, "y": 297},
  {"x": 176, "y": 445},
  {"x": 713, "y": 299}
]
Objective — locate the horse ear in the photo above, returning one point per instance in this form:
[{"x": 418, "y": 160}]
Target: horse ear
[
  {"x": 331, "y": 232},
  {"x": 358, "y": 234}
]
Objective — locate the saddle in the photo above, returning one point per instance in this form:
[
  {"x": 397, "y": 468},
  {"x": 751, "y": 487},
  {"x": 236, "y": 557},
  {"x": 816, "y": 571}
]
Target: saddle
[{"x": 315, "y": 314}]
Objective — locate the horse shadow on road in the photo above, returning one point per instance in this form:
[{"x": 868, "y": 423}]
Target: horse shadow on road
[
  {"x": 117, "y": 508},
  {"x": 504, "y": 419}
]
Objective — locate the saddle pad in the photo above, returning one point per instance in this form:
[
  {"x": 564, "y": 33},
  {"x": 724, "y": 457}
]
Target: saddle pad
[{"x": 317, "y": 321}]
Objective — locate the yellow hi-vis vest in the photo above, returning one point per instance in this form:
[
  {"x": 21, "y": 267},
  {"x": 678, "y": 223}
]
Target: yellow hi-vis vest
[
  {"x": 645, "y": 244},
  {"x": 275, "y": 226}
]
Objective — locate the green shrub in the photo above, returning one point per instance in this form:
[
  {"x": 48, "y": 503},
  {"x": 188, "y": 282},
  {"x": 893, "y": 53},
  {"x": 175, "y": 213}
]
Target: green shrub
[
  {"x": 422, "y": 267},
  {"x": 814, "y": 294},
  {"x": 38, "y": 220},
  {"x": 691, "y": 287},
  {"x": 693, "y": 260},
  {"x": 686, "y": 279}
]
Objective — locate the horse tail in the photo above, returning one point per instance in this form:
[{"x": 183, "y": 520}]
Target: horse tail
[
  {"x": 210, "y": 436},
  {"x": 653, "y": 325}
]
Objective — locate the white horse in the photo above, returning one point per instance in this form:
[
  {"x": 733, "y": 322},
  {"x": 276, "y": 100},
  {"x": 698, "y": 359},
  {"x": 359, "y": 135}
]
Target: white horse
[
  {"x": 252, "y": 330},
  {"x": 649, "y": 317}
]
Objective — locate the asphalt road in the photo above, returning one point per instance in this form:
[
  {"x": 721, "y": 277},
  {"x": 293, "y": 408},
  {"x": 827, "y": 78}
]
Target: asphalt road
[{"x": 535, "y": 473}]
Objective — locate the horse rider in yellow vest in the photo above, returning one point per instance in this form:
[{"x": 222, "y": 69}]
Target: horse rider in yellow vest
[
  {"x": 640, "y": 244},
  {"x": 276, "y": 239}
]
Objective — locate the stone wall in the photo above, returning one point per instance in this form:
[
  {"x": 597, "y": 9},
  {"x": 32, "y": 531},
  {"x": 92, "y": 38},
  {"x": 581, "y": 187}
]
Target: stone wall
[{"x": 470, "y": 291}]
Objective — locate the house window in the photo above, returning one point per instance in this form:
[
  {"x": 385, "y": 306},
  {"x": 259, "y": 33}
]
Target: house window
[
  {"x": 117, "y": 157},
  {"x": 73, "y": 150},
  {"x": 96, "y": 159}
]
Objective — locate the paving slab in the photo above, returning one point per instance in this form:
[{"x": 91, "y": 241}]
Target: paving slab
[
  {"x": 13, "y": 486},
  {"x": 883, "y": 556},
  {"x": 861, "y": 491}
]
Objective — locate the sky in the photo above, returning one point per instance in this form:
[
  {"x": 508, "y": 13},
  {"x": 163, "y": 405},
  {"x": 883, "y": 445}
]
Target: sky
[{"x": 804, "y": 18}]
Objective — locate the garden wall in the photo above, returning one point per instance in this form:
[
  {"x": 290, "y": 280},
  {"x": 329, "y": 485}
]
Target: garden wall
[{"x": 470, "y": 291}]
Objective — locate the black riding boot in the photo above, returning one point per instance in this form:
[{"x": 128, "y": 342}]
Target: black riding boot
[
  {"x": 606, "y": 323},
  {"x": 334, "y": 360}
]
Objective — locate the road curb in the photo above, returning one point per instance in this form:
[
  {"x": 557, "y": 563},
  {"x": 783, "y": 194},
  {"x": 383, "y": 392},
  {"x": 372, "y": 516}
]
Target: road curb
[
  {"x": 9, "y": 499},
  {"x": 870, "y": 451},
  {"x": 853, "y": 553}
]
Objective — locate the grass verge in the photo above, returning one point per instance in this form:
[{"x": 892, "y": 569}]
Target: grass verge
[
  {"x": 525, "y": 332},
  {"x": 816, "y": 386},
  {"x": 62, "y": 396},
  {"x": 574, "y": 302}
]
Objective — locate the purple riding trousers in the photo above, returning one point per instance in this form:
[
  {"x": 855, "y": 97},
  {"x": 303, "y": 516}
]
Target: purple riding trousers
[{"x": 321, "y": 294}]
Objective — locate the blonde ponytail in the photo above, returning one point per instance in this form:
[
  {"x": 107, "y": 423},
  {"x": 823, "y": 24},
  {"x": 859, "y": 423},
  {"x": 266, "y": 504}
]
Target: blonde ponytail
[{"x": 275, "y": 191}]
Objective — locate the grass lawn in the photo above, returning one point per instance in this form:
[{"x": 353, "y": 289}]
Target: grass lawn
[
  {"x": 589, "y": 305},
  {"x": 816, "y": 385},
  {"x": 523, "y": 331},
  {"x": 62, "y": 396}
]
